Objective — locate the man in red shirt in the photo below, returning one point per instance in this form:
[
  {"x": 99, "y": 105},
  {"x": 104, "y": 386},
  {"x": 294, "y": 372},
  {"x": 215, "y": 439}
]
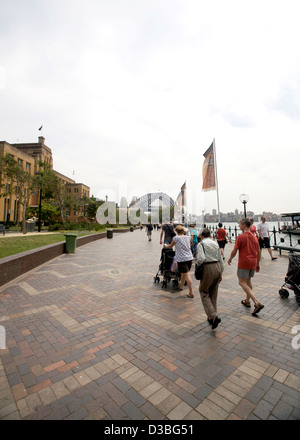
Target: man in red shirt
[
  {"x": 249, "y": 257},
  {"x": 221, "y": 235}
]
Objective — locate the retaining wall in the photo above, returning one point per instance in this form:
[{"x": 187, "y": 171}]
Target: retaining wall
[{"x": 15, "y": 265}]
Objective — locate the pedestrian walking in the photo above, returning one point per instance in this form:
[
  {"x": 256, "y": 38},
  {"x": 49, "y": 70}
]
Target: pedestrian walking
[
  {"x": 167, "y": 232},
  {"x": 209, "y": 254},
  {"x": 184, "y": 258},
  {"x": 194, "y": 240},
  {"x": 222, "y": 238},
  {"x": 264, "y": 236},
  {"x": 253, "y": 227},
  {"x": 248, "y": 263},
  {"x": 149, "y": 229}
]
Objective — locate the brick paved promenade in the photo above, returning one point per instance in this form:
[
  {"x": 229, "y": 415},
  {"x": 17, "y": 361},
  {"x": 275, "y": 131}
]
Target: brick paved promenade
[{"x": 91, "y": 336}]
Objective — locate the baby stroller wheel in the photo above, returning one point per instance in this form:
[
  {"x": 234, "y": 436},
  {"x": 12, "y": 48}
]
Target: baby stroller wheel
[
  {"x": 283, "y": 293},
  {"x": 164, "y": 284},
  {"x": 156, "y": 280},
  {"x": 175, "y": 283}
]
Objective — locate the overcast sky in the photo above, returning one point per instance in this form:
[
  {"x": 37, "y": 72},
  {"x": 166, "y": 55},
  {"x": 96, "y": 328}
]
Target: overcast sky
[{"x": 131, "y": 93}]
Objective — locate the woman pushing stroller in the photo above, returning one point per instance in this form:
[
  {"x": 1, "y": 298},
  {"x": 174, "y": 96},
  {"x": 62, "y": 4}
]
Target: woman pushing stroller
[{"x": 184, "y": 258}]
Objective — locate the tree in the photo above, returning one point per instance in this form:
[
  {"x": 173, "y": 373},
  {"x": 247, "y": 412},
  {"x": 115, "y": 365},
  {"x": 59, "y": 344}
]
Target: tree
[
  {"x": 49, "y": 213},
  {"x": 19, "y": 182},
  {"x": 92, "y": 206},
  {"x": 53, "y": 189}
]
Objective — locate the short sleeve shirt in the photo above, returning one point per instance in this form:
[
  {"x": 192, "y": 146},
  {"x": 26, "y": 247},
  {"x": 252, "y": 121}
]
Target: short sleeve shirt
[
  {"x": 182, "y": 248},
  {"x": 168, "y": 228},
  {"x": 194, "y": 235},
  {"x": 248, "y": 246},
  {"x": 264, "y": 229},
  {"x": 221, "y": 234}
]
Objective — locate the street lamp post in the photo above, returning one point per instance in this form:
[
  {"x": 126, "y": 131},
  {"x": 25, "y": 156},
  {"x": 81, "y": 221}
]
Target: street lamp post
[
  {"x": 40, "y": 211},
  {"x": 39, "y": 173},
  {"x": 203, "y": 216},
  {"x": 244, "y": 198}
]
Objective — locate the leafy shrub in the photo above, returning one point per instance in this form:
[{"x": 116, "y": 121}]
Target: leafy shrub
[{"x": 55, "y": 227}]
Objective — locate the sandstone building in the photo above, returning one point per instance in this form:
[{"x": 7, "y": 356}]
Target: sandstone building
[{"x": 28, "y": 155}]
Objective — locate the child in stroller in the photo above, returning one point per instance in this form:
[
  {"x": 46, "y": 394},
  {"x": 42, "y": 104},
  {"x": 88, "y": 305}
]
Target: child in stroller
[
  {"x": 292, "y": 279},
  {"x": 166, "y": 260}
]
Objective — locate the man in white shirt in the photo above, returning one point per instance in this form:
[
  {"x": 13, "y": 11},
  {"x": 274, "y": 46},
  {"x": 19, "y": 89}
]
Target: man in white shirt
[
  {"x": 264, "y": 236},
  {"x": 210, "y": 255}
]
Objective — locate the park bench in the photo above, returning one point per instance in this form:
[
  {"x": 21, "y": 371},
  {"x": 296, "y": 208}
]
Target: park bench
[
  {"x": 3, "y": 230},
  {"x": 282, "y": 247}
]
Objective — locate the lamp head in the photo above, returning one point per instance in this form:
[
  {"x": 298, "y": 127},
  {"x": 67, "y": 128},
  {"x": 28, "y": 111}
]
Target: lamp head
[{"x": 244, "y": 198}]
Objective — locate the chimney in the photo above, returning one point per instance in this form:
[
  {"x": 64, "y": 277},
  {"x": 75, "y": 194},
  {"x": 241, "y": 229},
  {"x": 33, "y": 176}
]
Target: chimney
[{"x": 41, "y": 140}]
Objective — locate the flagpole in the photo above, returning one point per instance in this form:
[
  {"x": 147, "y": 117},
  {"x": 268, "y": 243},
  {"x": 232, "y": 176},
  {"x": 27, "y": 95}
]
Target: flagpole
[
  {"x": 185, "y": 203},
  {"x": 216, "y": 176}
]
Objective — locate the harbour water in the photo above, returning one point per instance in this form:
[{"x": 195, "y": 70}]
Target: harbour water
[{"x": 276, "y": 237}]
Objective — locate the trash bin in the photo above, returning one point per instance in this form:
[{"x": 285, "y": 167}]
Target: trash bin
[
  {"x": 109, "y": 233},
  {"x": 131, "y": 228},
  {"x": 30, "y": 226},
  {"x": 71, "y": 240}
]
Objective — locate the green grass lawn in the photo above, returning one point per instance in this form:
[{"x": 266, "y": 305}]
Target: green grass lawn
[{"x": 15, "y": 245}]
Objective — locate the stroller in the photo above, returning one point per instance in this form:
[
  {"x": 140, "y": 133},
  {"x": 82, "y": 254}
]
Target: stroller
[
  {"x": 292, "y": 279},
  {"x": 164, "y": 269}
]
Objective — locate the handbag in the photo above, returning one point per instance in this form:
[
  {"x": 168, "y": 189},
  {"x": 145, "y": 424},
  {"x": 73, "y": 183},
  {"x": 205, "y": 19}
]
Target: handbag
[
  {"x": 198, "y": 271},
  {"x": 174, "y": 265},
  {"x": 225, "y": 238},
  {"x": 199, "y": 268}
]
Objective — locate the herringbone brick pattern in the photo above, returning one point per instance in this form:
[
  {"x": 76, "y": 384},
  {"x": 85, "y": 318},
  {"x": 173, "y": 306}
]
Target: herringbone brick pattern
[{"x": 91, "y": 336}]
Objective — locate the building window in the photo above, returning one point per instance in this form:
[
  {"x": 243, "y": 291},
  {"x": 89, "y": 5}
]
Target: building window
[
  {"x": 75, "y": 190},
  {"x": 28, "y": 167},
  {"x": 20, "y": 163}
]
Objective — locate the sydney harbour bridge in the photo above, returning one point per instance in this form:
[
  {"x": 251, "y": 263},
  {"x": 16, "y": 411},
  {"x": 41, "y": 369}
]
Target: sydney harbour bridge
[{"x": 152, "y": 201}]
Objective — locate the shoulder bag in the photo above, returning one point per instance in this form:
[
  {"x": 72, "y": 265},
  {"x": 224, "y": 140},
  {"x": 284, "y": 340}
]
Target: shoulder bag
[
  {"x": 199, "y": 268},
  {"x": 225, "y": 238}
]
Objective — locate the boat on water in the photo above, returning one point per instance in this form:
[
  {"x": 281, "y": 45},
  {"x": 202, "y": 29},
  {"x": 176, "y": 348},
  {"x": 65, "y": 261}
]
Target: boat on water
[{"x": 293, "y": 229}]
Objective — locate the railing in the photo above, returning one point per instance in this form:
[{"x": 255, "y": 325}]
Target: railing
[{"x": 276, "y": 236}]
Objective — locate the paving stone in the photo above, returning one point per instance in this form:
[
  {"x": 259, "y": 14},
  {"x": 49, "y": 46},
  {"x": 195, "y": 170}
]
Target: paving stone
[
  {"x": 263, "y": 409},
  {"x": 227, "y": 394},
  {"x": 151, "y": 412},
  {"x": 150, "y": 389},
  {"x": 179, "y": 412},
  {"x": 47, "y": 396},
  {"x": 282, "y": 410},
  {"x": 168, "y": 404},
  {"x": 244, "y": 409},
  {"x": 80, "y": 414},
  {"x": 7, "y": 410},
  {"x": 293, "y": 381},
  {"x": 273, "y": 396},
  {"x": 280, "y": 375},
  {"x": 132, "y": 411},
  {"x": 159, "y": 396},
  {"x": 97, "y": 339}
]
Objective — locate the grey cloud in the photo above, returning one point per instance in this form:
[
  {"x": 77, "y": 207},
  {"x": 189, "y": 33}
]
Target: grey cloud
[
  {"x": 288, "y": 101},
  {"x": 241, "y": 121}
]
